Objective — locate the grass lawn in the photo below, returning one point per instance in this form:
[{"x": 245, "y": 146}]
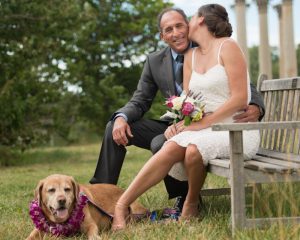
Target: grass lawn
[{"x": 18, "y": 182}]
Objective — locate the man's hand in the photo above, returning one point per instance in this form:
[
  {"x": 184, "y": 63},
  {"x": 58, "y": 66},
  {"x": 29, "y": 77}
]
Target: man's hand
[
  {"x": 120, "y": 131},
  {"x": 251, "y": 114}
]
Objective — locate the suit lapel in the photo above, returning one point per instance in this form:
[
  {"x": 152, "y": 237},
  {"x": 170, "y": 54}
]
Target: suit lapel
[{"x": 167, "y": 71}]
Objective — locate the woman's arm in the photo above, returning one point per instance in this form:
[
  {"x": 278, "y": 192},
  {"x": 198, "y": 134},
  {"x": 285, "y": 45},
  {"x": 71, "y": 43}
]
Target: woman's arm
[{"x": 234, "y": 62}]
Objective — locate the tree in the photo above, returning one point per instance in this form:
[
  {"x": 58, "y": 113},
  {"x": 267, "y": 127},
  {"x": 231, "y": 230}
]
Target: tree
[
  {"x": 254, "y": 64},
  {"x": 69, "y": 61}
]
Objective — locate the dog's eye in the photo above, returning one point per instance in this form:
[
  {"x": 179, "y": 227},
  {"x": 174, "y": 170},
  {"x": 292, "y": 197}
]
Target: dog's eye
[
  {"x": 67, "y": 189},
  {"x": 51, "y": 190}
]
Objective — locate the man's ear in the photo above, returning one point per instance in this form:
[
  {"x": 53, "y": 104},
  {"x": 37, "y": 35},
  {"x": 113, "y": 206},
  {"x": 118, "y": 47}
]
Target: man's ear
[
  {"x": 161, "y": 36},
  {"x": 38, "y": 192}
]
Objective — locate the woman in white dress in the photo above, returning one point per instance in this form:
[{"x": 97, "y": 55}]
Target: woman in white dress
[{"x": 217, "y": 69}]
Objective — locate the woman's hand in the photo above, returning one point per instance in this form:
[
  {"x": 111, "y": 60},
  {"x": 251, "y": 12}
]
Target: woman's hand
[
  {"x": 179, "y": 127},
  {"x": 174, "y": 129},
  {"x": 170, "y": 131}
]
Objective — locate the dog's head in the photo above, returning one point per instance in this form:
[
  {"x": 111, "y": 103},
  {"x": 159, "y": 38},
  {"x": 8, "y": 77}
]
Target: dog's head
[{"x": 57, "y": 196}]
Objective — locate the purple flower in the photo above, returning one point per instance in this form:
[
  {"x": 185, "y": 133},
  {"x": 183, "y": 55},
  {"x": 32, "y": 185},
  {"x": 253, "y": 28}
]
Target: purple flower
[
  {"x": 187, "y": 108},
  {"x": 68, "y": 228},
  {"x": 169, "y": 102}
]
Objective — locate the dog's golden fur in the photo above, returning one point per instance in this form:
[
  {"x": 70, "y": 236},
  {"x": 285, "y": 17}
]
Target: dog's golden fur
[{"x": 57, "y": 195}]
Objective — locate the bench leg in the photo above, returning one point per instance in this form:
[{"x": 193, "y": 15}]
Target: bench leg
[{"x": 238, "y": 214}]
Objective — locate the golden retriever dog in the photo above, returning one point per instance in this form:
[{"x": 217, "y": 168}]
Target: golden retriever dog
[{"x": 56, "y": 202}]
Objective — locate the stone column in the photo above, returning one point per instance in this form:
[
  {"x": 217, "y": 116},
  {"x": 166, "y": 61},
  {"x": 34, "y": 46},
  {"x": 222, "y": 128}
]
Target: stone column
[
  {"x": 265, "y": 64},
  {"x": 240, "y": 10},
  {"x": 278, "y": 8},
  {"x": 290, "y": 59}
]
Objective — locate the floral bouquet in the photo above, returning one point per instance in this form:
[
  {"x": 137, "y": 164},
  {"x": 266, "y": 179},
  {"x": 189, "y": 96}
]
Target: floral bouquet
[{"x": 188, "y": 107}]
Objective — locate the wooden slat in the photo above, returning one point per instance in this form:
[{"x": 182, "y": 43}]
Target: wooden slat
[
  {"x": 220, "y": 162},
  {"x": 268, "y": 119},
  {"x": 255, "y": 126},
  {"x": 283, "y": 118},
  {"x": 215, "y": 191},
  {"x": 288, "y": 144},
  {"x": 266, "y": 167},
  {"x": 263, "y": 133},
  {"x": 280, "y": 84},
  {"x": 272, "y": 117},
  {"x": 277, "y": 118},
  {"x": 296, "y": 116},
  {"x": 294, "y": 167},
  {"x": 254, "y": 176},
  {"x": 221, "y": 191},
  {"x": 278, "y": 155},
  {"x": 261, "y": 78}
]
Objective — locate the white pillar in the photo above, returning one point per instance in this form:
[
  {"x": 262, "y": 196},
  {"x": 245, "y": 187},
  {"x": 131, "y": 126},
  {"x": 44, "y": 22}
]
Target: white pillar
[
  {"x": 290, "y": 58},
  {"x": 278, "y": 8},
  {"x": 265, "y": 64},
  {"x": 240, "y": 10}
]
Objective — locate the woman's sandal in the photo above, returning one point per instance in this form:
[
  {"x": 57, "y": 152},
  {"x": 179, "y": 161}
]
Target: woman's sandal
[{"x": 121, "y": 225}]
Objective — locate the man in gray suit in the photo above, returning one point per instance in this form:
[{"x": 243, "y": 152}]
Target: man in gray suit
[{"x": 127, "y": 125}]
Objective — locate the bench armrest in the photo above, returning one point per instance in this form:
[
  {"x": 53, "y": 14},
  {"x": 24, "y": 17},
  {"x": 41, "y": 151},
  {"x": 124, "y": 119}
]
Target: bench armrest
[{"x": 255, "y": 126}]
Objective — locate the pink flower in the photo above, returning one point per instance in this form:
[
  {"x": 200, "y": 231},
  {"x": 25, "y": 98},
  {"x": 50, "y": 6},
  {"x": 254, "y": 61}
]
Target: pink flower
[
  {"x": 169, "y": 102},
  {"x": 187, "y": 108}
]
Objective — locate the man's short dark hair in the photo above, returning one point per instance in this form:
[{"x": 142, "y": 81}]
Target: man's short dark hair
[{"x": 160, "y": 15}]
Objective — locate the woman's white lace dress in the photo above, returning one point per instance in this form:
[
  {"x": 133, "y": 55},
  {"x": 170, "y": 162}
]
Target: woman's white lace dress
[{"x": 214, "y": 87}]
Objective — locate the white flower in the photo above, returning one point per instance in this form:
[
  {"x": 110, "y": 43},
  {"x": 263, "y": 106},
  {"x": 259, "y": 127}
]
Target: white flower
[
  {"x": 169, "y": 116},
  {"x": 177, "y": 103}
]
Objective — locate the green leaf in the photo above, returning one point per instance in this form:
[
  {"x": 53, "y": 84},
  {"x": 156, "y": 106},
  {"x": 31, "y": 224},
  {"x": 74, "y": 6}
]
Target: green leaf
[{"x": 187, "y": 120}]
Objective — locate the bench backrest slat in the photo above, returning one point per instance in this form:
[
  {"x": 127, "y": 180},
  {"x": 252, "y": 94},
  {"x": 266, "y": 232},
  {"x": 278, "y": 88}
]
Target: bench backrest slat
[{"x": 282, "y": 101}]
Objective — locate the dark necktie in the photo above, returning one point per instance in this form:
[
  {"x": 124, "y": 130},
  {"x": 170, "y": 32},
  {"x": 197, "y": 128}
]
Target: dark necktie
[{"x": 179, "y": 73}]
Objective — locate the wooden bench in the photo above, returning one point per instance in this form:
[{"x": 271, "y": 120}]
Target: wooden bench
[{"x": 278, "y": 158}]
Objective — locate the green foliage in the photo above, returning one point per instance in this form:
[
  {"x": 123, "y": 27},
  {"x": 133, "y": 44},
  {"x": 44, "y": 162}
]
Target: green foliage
[
  {"x": 275, "y": 62},
  {"x": 254, "y": 64},
  {"x": 63, "y": 62}
]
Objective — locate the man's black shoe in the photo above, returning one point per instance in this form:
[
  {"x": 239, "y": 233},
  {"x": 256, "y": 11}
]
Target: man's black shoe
[{"x": 178, "y": 205}]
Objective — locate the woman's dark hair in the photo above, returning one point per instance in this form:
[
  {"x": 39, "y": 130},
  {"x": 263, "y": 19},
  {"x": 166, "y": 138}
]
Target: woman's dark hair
[
  {"x": 216, "y": 19},
  {"x": 160, "y": 15}
]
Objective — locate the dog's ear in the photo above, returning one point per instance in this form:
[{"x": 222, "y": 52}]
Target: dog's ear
[
  {"x": 75, "y": 188},
  {"x": 38, "y": 192}
]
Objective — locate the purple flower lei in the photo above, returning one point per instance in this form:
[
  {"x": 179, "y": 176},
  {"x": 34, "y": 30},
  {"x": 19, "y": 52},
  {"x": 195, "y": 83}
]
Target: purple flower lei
[{"x": 68, "y": 228}]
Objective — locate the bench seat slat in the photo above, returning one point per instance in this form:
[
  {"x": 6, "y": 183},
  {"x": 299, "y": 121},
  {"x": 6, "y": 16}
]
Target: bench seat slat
[
  {"x": 266, "y": 167},
  {"x": 291, "y": 165},
  {"x": 254, "y": 165},
  {"x": 278, "y": 155},
  {"x": 220, "y": 162}
]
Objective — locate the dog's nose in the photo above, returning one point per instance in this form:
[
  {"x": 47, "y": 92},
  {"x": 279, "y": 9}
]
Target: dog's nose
[{"x": 62, "y": 202}]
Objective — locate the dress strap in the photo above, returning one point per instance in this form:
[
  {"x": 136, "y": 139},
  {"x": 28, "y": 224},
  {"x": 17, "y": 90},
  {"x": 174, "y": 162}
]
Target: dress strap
[
  {"x": 193, "y": 57},
  {"x": 228, "y": 39}
]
